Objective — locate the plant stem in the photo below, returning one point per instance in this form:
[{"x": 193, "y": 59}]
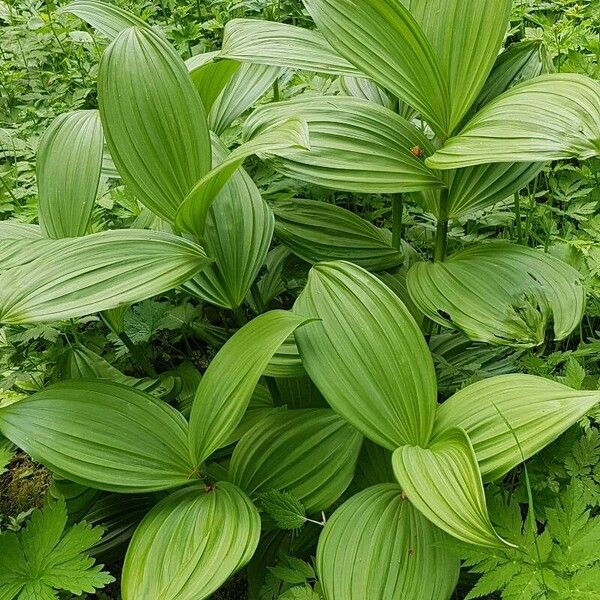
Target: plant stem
[
  {"x": 518, "y": 218},
  {"x": 441, "y": 236},
  {"x": 397, "y": 214},
  {"x": 276, "y": 94},
  {"x": 138, "y": 355}
]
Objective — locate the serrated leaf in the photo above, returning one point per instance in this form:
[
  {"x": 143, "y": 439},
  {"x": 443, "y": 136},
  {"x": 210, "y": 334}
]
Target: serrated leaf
[{"x": 284, "y": 508}]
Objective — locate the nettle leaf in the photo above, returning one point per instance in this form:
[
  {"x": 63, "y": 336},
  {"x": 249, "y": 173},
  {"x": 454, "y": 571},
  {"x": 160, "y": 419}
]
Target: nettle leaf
[
  {"x": 444, "y": 483},
  {"x": 309, "y": 453},
  {"x": 355, "y": 145},
  {"x": 318, "y": 231},
  {"x": 102, "y": 434},
  {"x": 500, "y": 293},
  {"x": 46, "y": 556},
  {"x": 281, "y": 45},
  {"x": 154, "y": 120},
  {"x": 367, "y": 355},
  {"x": 384, "y": 41},
  {"x": 551, "y": 117},
  {"x": 105, "y": 18},
  {"x": 238, "y": 233},
  {"x": 193, "y": 212},
  {"x": 379, "y": 527},
  {"x": 284, "y": 508},
  {"x": 227, "y": 385},
  {"x": 538, "y": 410},
  {"x": 68, "y": 168},
  {"x": 79, "y": 276},
  {"x": 190, "y": 543}
]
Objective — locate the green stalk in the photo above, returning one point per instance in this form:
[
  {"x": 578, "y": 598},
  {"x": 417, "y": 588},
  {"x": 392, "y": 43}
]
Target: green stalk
[
  {"x": 441, "y": 235},
  {"x": 518, "y": 218},
  {"x": 397, "y": 214}
]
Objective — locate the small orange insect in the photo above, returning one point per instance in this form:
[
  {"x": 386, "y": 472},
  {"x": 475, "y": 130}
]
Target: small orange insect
[{"x": 417, "y": 151}]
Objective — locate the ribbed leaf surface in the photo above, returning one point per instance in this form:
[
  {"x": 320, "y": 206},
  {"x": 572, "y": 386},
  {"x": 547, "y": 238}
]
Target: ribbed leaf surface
[
  {"x": 367, "y": 355},
  {"x": 443, "y": 482},
  {"x": 190, "y": 543},
  {"x": 377, "y": 546},
  {"x": 309, "y": 453},
  {"x": 19, "y": 243},
  {"x": 500, "y": 293},
  {"x": 68, "y": 168},
  {"x": 102, "y": 434},
  {"x": 537, "y": 409},
  {"x": 104, "y": 17}
]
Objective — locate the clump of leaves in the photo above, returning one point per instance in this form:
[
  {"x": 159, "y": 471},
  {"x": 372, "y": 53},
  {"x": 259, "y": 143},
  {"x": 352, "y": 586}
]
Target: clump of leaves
[{"x": 46, "y": 557}]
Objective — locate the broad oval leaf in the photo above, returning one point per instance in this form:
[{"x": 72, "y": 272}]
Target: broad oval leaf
[
  {"x": 384, "y": 41},
  {"x": 190, "y": 543},
  {"x": 361, "y": 87},
  {"x": 367, "y": 355},
  {"x": 286, "y": 362},
  {"x": 551, "y": 117},
  {"x": 154, "y": 120},
  {"x": 104, "y": 17},
  {"x": 226, "y": 387},
  {"x": 380, "y": 527},
  {"x": 355, "y": 145},
  {"x": 238, "y": 233},
  {"x": 537, "y": 409},
  {"x": 317, "y": 231},
  {"x": 310, "y": 453},
  {"x": 102, "y": 434},
  {"x": 444, "y": 483},
  {"x": 19, "y": 243},
  {"x": 281, "y": 45},
  {"x": 68, "y": 168},
  {"x": 500, "y": 293},
  {"x": 80, "y": 276}
]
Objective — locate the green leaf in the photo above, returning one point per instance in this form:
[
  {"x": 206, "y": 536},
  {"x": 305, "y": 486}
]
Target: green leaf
[
  {"x": 361, "y": 87},
  {"x": 286, "y": 362},
  {"x": 538, "y": 410},
  {"x": 384, "y": 41},
  {"x": 379, "y": 528},
  {"x": 238, "y": 233},
  {"x": 284, "y": 508},
  {"x": 281, "y": 45},
  {"x": 79, "y": 276},
  {"x": 500, "y": 293},
  {"x": 355, "y": 145},
  {"x": 154, "y": 120},
  {"x": 46, "y": 557},
  {"x": 104, "y": 17},
  {"x": 466, "y": 36},
  {"x": 317, "y": 231},
  {"x": 309, "y": 453},
  {"x": 18, "y": 243},
  {"x": 444, "y": 483},
  {"x": 551, "y": 117},
  {"x": 190, "y": 543},
  {"x": 193, "y": 212},
  {"x": 367, "y": 355},
  {"x": 226, "y": 387},
  {"x": 68, "y": 168},
  {"x": 102, "y": 434}
]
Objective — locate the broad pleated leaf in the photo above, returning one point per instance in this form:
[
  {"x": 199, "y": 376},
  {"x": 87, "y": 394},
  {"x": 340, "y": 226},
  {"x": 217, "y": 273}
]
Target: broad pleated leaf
[
  {"x": 226, "y": 387},
  {"x": 19, "y": 243},
  {"x": 68, "y": 168},
  {"x": 248, "y": 84},
  {"x": 377, "y": 546},
  {"x": 80, "y": 276},
  {"x": 104, "y": 17},
  {"x": 444, "y": 483},
  {"x": 551, "y": 117},
  {"x": 500, "y": 293},
  {"x": 355, "y": 145},
  {"x": 190, "y": 543},
  {"x": 384, "y": 41},
  {"x": 281, "y": 45},
  {"x": 237, "y": 235},
  {"x": 318, "y": 231},
  {"x": 537, "y": 409},
  {"x": 192, "y": 214},
  {"x": 466, "y": 36},
  {"x": 153, "y": 119},
  {"x": 286, "y": 362},
  {"x": 367, "y": 355},
  {"x": 309, "y": 453},
  {"x": 102, "y": 434},
  {"x": 361, "y": 87}
]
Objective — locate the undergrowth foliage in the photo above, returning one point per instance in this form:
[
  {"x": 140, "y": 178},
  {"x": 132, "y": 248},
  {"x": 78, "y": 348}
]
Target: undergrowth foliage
[{"x": 301, "y": 299}]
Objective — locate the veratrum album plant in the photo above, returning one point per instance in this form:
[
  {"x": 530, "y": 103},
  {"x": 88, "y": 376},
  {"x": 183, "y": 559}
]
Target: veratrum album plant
[{"x": 432, "y": 106}]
